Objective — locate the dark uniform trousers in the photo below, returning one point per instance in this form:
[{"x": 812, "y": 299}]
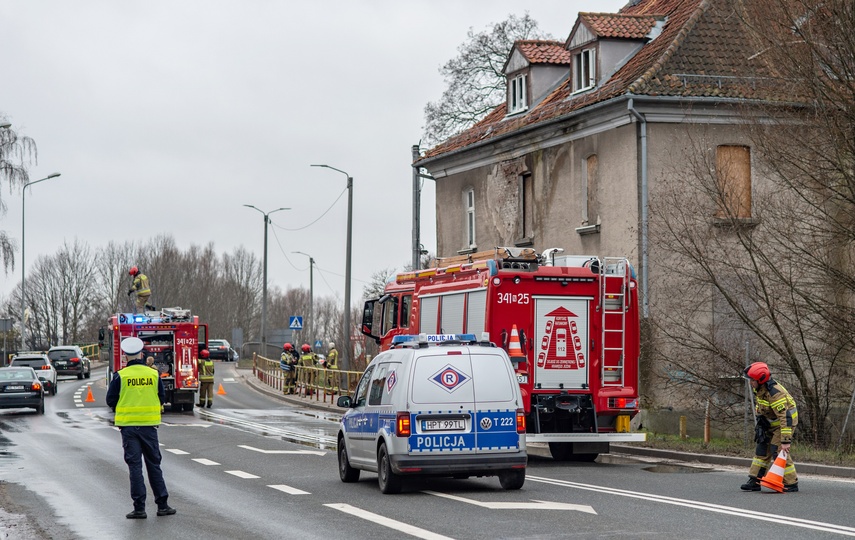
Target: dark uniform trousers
[{"x": 140, "y": 443}]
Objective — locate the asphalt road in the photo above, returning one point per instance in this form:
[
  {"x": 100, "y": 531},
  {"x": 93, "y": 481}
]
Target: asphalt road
[{"x": 255, "y": 466}]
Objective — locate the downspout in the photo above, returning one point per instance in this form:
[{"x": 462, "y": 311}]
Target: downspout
[{"x": 644, "y": 242}]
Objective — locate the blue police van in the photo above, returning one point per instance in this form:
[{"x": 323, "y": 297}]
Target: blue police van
[{"x": 435, "y": 405}]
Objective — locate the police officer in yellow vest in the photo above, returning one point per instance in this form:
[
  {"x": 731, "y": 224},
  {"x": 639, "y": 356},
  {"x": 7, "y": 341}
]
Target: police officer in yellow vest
[
  {"x": 206, "y": 379},
  {"x": 136, "y": 395}
]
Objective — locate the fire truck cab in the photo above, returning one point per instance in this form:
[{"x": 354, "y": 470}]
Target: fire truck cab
[
  {"x": 569, "y": 323},
  {"x": 173, "y": 337}
]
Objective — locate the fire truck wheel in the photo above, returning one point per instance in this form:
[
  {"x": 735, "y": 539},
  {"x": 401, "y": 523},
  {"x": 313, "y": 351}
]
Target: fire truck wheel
[
  {"x": 188, "y": 407},
  {"x": 561, "y": 451},
  {"x": 513, "y": 479},
  {"x": 585, "y": 458},
  {"x": 175, "y": 407}
]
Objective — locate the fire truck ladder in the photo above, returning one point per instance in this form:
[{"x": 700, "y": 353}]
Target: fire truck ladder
[{"x": 614, "y": 301}]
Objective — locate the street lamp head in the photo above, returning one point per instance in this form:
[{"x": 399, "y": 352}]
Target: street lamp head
[
  {"x": 54, "y": 175},
  {"x": 5, "y": 125}
]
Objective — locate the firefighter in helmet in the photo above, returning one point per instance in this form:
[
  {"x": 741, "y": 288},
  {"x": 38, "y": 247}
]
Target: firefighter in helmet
[
  {"x": 332, "y": 364},
  {"x": 288, "y": 363},
  {"x": 776, "y": 416},
  {"x": 206, "y": 379},
  {"x": 308, "y": 361},
  {"x": 141, "y": 287}
]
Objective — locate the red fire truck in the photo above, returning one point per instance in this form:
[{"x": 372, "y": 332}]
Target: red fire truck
[
  {"x": 173, "y": 337},
  {"x": 576, "y": 323}
]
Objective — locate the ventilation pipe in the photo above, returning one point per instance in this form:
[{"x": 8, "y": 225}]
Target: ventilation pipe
[{"x": 645, "y": 311}]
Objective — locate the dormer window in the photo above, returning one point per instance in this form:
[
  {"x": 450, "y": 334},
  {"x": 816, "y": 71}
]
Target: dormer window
[
  {"x": 584, "y": 70},
  {"x": 517, "y": 100}
]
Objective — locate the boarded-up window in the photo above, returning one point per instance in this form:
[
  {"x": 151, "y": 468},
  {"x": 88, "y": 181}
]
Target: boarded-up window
[{"x": 733, "y": 176}]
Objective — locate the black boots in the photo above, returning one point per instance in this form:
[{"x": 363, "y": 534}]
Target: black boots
[
  {"x": 792, "y": 488},
  {"x": 753, "y": 484},
  {"x": 166, "y": 511},
  {"x": 136, "y": 514}
]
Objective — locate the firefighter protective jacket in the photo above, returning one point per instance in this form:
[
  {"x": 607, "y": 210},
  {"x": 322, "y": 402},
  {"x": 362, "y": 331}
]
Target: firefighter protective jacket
[
  {"x": 206, "y": 371},
  {"x": 141, "y": 285},
  {"x": 776, "y": 404}
]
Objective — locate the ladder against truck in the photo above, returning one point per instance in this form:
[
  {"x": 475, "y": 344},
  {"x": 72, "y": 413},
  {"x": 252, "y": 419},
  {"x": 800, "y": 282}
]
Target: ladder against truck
[
  {"x": 569, "y": 323},
  {"x": 173, "y": 337}
]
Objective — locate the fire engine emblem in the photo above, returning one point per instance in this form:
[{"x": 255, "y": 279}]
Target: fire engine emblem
[
  {"x": 561, "y": 346},
  {"x": 449, "y": 378},
  {"x": 486, "y": 423}
]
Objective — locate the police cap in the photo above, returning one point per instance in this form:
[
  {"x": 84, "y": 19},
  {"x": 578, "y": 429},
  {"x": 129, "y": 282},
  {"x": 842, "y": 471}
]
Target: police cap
[{"x": 132, "y": 346}]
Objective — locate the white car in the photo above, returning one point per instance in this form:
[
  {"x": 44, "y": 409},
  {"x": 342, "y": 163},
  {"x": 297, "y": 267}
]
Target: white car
[
  {"x": 451, "y": 408},
  {"x": 41, "y": 365}
]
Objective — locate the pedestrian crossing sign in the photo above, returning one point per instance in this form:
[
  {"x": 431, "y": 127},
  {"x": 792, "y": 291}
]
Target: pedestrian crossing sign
[{"x": 296, "y": 323}]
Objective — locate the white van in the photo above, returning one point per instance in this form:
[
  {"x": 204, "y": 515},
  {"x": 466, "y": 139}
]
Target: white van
[{"x": 438, "y": 405}]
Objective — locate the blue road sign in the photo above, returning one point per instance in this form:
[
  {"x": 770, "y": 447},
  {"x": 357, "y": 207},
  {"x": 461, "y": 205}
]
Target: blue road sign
[
  {"x": 318, "y": 344},
  {"x": 296, "y": 323}
]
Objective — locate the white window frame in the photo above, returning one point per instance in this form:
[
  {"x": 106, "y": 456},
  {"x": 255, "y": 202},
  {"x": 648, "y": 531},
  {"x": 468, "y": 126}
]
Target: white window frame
[
  {"x": 517, "y": 95},
  {"x": 584, "y": 70},
  {"x": 469, "y": 205}
]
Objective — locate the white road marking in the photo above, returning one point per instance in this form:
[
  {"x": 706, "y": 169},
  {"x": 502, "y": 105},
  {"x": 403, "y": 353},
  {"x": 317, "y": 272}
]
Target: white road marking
[
  {"x": 177, "y": 452},
  {"x": 386, "y": 522},
  {"x": 241, "y": 474},
  {"x": 289, "y": 490},
  {"x": 204, "y": 461},
  {"x": 228, "y": 379},
  {"x": 308, "y": 452},
  {"x": 79, "y": 405},
  {"x": 729, "y": 510},
  {"x": 534, "y": 505}
]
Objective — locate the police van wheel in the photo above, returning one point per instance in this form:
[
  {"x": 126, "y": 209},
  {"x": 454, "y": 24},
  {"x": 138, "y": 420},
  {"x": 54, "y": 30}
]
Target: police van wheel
[
  {"x": 389, "y": 481},
  {"x": 513, "y": 479},
  {"x": 345, "y": 471}
]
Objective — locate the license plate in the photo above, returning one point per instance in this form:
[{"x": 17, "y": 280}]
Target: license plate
[
  {"x": 15, "y": 387},
  {"x": 443, "y": 425},
  {"x": 522, "y": 379},
  {"x": 61, "y": 364}
]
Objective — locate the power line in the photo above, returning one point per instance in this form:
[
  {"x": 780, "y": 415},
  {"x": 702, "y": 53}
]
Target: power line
[{"x": 319, "y": 217}]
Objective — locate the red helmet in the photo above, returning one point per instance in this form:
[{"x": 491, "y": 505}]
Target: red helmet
[
  {"x": 134, "y": 271},
  {"x": 204, "y": 353},
  {"x": 287, "y": 347},
  {"x": 758, "y": 371},
  {"x": 306, "y": 347}
]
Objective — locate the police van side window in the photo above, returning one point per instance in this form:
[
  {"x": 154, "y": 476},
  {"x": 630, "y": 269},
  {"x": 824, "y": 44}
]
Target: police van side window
[
  {"x": 362, "y": 389},
  {"x": 378, "y": 382}
]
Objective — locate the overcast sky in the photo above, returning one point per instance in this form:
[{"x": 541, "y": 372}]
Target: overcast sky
[{"x": 168, "y": 116}]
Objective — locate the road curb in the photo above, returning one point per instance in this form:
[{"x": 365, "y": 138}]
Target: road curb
[{"x": 543, "y": 450}]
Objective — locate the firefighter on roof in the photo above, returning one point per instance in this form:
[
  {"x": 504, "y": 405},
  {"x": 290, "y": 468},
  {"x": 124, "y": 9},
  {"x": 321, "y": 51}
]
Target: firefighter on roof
[
  {"x": 776, "y": 418},
  {"x": 141, "y": 287}
]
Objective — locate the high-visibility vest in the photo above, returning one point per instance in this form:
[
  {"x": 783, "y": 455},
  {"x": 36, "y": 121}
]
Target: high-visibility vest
[
  {"x": 141, "y": 285},
  {"x": 206, "y": 371},
  {"x": 139, "y": 404}
]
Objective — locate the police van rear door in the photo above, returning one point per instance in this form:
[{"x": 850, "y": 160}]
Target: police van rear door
[
  {"x": 442, "y": 403},
  {"x": 497, "y": 401}
]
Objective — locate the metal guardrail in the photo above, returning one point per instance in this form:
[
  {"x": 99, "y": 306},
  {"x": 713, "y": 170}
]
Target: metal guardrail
[{"x": 315, "y": 382}]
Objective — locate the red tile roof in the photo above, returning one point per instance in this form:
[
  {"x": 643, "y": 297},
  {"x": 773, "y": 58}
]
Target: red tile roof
[
  {"x": 544, "y": 52},
  {"x": 700, "y": 53},
  {"x": 614, "y": 25}
]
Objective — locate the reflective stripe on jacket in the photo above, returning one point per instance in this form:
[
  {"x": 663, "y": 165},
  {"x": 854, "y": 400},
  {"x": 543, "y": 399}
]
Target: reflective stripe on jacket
[
  {"x": 776, "y": 404},
  {"x": 206, "y": 371},
  {"x": 139, "y": 404},
  {"x": 332, "y": 359},
  {"x": 141, "y": 285}
]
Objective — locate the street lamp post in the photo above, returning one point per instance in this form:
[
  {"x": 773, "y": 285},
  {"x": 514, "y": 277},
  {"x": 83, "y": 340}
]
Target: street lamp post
[
  {"x": 311, "y": 324},
  {"x": 347, "y": 345},
  {"x": 23, "y": 260},
  {"x": 264, "y": 285}
]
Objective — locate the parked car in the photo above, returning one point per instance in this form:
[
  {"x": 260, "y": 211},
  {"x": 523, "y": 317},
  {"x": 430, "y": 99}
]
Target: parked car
[
  {"x": 41, "y": 365},
  {"x": 233, "y": 355},
  {"x": 70, "y": 360},
  {"x": 218, "y": 349},
  {"x": 20, "y": 387}
]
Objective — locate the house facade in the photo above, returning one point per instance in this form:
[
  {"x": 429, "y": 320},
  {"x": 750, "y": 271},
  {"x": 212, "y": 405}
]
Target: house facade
[{"x": 592, "y": 130}]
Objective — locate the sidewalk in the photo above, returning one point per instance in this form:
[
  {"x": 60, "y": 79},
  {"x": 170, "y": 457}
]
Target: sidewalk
[{"x": 542, "y": 450}]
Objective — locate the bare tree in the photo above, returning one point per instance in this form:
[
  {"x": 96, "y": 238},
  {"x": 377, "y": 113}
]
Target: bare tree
[
  {"x": 16, "y": 153},
  {"x": 476, "y": 84}
]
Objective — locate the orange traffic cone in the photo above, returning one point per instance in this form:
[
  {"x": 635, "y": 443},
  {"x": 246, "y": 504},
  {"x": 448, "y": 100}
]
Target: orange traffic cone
[
  {"x": 514, "y": 349},
  {"x": 221, "y": 391},
  {"x": 89, "y": 397},
  {"x": 774, "y": 479}
]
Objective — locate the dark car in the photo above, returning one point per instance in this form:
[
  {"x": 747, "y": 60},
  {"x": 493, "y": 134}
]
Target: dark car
[
  {"x": 219, "y": 349},
  {"x": 19, "y": 388},
  {"x": 70, "y": 360}
]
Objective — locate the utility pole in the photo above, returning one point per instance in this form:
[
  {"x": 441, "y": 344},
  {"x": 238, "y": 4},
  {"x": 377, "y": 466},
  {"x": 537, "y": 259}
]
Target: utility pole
[{"x": 417, "y": 207}]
